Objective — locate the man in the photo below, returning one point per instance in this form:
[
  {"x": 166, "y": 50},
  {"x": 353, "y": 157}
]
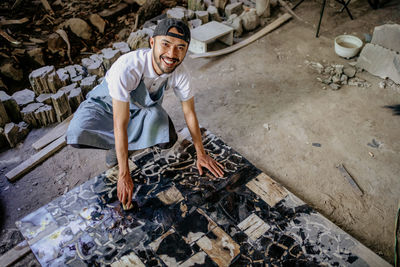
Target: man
[{"x": 124, "y": 112}]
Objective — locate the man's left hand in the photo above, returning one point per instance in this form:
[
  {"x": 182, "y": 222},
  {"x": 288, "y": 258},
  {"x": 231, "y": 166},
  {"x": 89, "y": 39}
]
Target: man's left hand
[{"x": 213, "y": 166}]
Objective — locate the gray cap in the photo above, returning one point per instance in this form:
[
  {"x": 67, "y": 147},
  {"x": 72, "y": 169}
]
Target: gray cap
[{"x": 165, "y": 25}]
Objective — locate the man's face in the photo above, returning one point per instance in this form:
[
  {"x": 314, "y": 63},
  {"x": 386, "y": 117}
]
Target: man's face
[{"x": 168, "y": 52}]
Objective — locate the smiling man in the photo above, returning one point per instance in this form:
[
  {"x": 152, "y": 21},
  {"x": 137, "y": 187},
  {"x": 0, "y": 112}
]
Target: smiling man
[{"x": 124, "y": 112}]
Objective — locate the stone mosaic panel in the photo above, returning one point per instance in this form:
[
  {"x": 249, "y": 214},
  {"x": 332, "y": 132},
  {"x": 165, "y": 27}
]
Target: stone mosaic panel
[{"x": 180, "y": 218}]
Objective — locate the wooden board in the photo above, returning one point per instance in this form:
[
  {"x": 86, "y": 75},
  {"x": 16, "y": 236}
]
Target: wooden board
[
  {"x": 14, "y": 254},
  {"x": 267, "y": 29},
  {"x": 36, "y": 159},
  {"x": 58, "y": 131},
  {"x": 269, "y": 190}
]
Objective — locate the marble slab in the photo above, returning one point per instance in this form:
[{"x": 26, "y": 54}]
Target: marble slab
[{"x": 181, "y": 218}]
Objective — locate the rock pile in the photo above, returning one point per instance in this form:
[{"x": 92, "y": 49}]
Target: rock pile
[{"x": 336, "y": 75}]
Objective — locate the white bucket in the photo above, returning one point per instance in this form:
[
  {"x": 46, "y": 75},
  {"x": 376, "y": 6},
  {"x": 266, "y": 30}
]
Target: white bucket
[{"x": 347, "y": 46}]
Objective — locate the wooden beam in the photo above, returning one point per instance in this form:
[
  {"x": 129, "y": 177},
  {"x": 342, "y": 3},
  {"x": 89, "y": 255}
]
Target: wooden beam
[
  {"x": 270, "y": 27},
  {"x": 55, "y": 133},
  {"x": 13, "y": 21},
  {"x": 14, "y": 254},
  {"x": 283, "y": 3},
  {"x": 36, "y": 159}
]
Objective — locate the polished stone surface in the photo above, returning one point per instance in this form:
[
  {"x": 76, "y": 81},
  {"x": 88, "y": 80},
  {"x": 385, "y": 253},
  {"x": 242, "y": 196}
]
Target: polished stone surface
[{"x": 180, "y": 218}]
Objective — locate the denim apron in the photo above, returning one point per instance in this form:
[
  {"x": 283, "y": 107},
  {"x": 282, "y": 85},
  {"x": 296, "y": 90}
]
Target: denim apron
[{"x": 92, "y": 124}]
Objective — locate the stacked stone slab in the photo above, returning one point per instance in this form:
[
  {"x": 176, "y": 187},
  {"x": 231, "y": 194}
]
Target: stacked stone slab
[
  {"x": 75, "y": 98},
  {"x": 123, "y": 47},
  {"x": 15, "y": 133},
  {"x": 28, "y": 114},
  {"x": 61, "y": 105},
  {"x": 88, "y": 84},
  {"x": 45, "y": 115},
  {"x": 24, "y": 97},
  {"x": 94, "y": 65},
  {"x": 44, "y": 80},
  {"x": 109, "y": 57},
  {"x": 11, "y": 106}
]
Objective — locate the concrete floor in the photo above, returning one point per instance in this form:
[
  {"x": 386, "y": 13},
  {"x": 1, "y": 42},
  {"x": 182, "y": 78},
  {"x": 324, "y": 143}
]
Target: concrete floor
[{"x": 267, "y": 82}]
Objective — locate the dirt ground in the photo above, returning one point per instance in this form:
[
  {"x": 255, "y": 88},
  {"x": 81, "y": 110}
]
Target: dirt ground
[{"x": 268, "y": 82}]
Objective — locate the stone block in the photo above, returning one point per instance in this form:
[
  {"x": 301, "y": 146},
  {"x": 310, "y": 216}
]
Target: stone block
[
  {"x": 250, "y": 20},
  {"x": 87, "y": 84},
  {"x": 380, "y": 61},
  {"x": 194, "y": 23},
  {"x": 123, "y": 47},
  {"x": 45, "y": 115},
  {"x": 235, "y": 8},
  {"x": 39, "y": 80},
  {"x": 28, "y": 114},
  {"x": 388, "y": 36},
  {"x": 109, "y": 57},
  {"x": 138, "y": 39},
  {"x": 220, "y": 5},
  {"x": 24, "y": 97},
  {"x": 75, "y": 98},
  {"x": 63, "y": 77},
  {"x": 176, "y": 13},
  {"x": 44, "y": 98},
  {"x": 235, "y": 22},
  {"x": 15, "y": 133},
  {"x": 11, "y": 106},
  {"x": 75, "y": 70},
  {"x": 61, "y": 105},
  {"x": 67, "y": 89},
  {"x": 203, "y": 16},
  {"x": 94, "y": 65},
  {"x": 214, "y": 15},
  {"x": 196, "y": 5},
  {"x": 4, "y": 119}
]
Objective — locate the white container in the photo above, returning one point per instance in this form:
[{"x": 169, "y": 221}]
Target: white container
[{"x": 347, "y": 46}]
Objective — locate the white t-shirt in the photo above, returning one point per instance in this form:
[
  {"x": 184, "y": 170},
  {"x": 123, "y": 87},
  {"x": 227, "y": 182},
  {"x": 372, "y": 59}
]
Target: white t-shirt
[{"x": 126, "y": 73}]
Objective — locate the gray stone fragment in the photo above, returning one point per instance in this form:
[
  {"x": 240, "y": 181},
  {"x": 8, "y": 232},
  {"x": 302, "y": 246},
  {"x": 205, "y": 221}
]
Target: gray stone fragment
[
  {"x": 15, "y": 133},
  {"x": 24, "y": 97},
  {"x": 61, "y": 105},
  {"x": 75, "y": 98},
  {"x": 335, "y": 78},
  {"x": 176, "y": 13},
  {"x": 138, "y": 39},
  {"x": 235, "y": 22},
  {"x": 109, "y": 57},
  {"x": 4, "y": 119},
  {"x": 94, "y": 65},
  {"x": 349, "y": 71},
  {"x": 74, "y": 70},
  {"x": 67, "y": 89},
  {"x": 44, "y": 98},
  {"x": 63, "y": 76},
  {"x": 45, "y": 115},
  {"x": 388, "y": 36},
  {"x": 203, "y": 16},
  {"x": 380, "y": 61},
  {"x": 28, "y": 114},
  {"x": 250, "y": 20},
  {"x": 98, "y": 22},
  {"x": 77, "y": 79},
  {"x": 80, "y": 28},
  {"x": 37, "y": 55},
  {"x": 88, "y": 84},
  {"x": 3, "y": 139},
  {"x": 9, "y": 70},
  {"x": 11, "y": 106},
  {"x": 235, "y": 8},
  {"x": 123, "y": 47},
  {"x": 214, "y": 15},
  {"x": 194, "y": 23},
  {"x": 334, "y": 86}
]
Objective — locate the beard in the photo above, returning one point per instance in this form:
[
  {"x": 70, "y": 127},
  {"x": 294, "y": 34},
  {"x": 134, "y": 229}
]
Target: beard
[{"x": 162, "y": 65}]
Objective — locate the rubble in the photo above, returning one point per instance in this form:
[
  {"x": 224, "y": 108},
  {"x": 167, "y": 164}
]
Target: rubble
[
  {"x": 235, "y": 8},
  {"x": 11, "y": 106},
  {"x": 24, "y": 97},
  {"x": 138, "y": 39},
  {"x": 79, "y": 27},
  {"x": 15, "y": 133},
  {"x": 202, "y": 15},
  {"x": 97, "y": 22},
  {"x": 336, "y": 75},
  {"x": 8, "y": 69},
  {"x": 250, "y": 20}
]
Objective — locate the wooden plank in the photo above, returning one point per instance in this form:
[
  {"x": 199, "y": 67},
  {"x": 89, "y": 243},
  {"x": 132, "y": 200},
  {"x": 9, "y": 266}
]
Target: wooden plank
[
  {"x": 269, "y": 190},
  {"x": 14, "y": 254},
  {"x": 253, "y": 226},
  {"x": 350, "y": 179},
  {"x": 36, "y": 159},
  {"x": 58, "y": 131},
  {"x": 13, "y": 21},
  {"x": 270, "y": 27},
  {"x": 128, "y": 260}
]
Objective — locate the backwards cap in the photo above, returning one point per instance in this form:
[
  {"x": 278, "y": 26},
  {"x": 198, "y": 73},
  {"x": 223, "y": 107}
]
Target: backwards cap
[{"x": 165, "y": 25}]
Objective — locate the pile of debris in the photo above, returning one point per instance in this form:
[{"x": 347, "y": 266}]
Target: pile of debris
[{"x": 336, "y": 75}]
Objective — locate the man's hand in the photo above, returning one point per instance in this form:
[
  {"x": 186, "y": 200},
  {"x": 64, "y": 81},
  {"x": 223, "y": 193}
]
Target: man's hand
[
  {"x": 125, "y": 190},
  {"x": 213, "y": 166}
]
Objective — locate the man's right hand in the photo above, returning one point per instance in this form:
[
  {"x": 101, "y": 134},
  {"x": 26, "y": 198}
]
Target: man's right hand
[{"x": 125, "y": 189}]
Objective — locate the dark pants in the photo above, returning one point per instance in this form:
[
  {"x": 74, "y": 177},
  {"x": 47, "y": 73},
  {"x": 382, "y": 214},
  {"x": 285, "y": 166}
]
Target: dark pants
[{"x": 173, "y": 137}]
